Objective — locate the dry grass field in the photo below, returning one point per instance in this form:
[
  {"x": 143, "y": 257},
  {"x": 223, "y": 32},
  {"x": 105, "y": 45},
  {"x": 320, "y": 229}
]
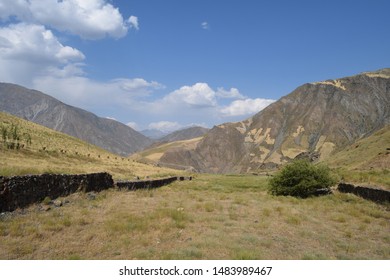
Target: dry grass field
[{"x": 211, "y": 217}]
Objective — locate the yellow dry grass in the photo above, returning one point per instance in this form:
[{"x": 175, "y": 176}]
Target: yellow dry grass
[
  {"x": 367, "y": 161},
  {"x": 55, "y": 152},
  {"x": 211, "y": 217}
]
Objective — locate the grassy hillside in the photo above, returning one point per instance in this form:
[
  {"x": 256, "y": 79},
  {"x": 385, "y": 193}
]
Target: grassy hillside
[
  {"x": 55, "y": 152},
  {"x": 367, "y": 161},
  {"x": 211, "y": 217},
  {"x": 154, "y": 154}
]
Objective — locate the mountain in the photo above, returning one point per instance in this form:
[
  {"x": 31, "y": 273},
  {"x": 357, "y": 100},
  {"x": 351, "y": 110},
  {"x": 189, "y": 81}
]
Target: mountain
[
  {"x": 154, "y": 134},
  {"x": 319, "y": 118},
  {"x": 43, "y": 150},
  {"x": 185, "y": 134},
  {"x": 43, "y": 109},
  {"x": 182, "y": 134},
  {"x": 154, "y": 153},
  {"x": 184, "y": 139}
]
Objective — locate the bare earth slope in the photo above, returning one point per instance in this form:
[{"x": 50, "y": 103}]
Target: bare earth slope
[
  {"x": 43, "y": 109},
  {"x": 324, "y": 117}
]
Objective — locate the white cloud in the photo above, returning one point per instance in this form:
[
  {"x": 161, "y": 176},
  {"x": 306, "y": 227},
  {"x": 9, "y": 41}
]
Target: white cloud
[
  {"x": 245, "y": 107},
  {"x": 87, "y": 93},
  {"x": 137, "y": 85},
  {"x": 232, "y": 93},
  {"x": 89, "y": 19},
  {"x": 133, "y": 21},
  {"x": 197, "y": 95},
  {"x": 31, "y": 42},
  {"x": 111, "y": 118},
  {"x": 205, "y": 25},
  {"x": 30, "y": 50},
  {"x": 165, "y": 126}
]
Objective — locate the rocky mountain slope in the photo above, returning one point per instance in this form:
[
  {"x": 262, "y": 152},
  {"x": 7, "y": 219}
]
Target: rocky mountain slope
[
  {"x": 322, "y": 117},
  {"x": 184, "y": 134},
  {"x": 43, "y": 109}
]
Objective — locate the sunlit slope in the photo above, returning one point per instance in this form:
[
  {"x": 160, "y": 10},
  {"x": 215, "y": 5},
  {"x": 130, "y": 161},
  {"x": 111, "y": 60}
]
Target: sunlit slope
[{"x": 52, "y": 151}]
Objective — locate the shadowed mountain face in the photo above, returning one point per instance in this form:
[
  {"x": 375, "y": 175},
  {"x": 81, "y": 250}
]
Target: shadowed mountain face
[
  {"x": 40, "y": 108},
  {"x": 322, "y": 117}
]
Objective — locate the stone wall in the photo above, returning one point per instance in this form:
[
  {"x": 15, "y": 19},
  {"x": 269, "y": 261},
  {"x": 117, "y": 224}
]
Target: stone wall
[
  {"x": 148, "y": 184},
  {"x": 373, "y": 194},
  {"x": 21, "y": 191}
]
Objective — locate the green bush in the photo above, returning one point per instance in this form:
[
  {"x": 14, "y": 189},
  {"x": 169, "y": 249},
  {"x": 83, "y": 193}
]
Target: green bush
[{"x": 301, "y": 178}]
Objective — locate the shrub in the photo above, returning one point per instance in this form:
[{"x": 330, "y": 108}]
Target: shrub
[{"x": 302, "y": 179}]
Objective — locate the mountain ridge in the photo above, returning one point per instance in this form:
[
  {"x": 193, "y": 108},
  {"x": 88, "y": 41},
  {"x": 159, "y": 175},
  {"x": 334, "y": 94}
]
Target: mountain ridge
[
  {"x": 184, "y": 134},
  {"x": 43, "y": 109},
  {"x": 318, "y": 117}
]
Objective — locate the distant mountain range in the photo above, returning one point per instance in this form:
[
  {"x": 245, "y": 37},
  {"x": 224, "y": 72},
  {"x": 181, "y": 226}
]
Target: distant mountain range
[
  {"x": 177, "y": 135},
  {"x": 154, "y": 134},
  {"x": 320, "y": 118},
  {"x": 184, "y": 134},
  {"x": 43, "y": 109}
]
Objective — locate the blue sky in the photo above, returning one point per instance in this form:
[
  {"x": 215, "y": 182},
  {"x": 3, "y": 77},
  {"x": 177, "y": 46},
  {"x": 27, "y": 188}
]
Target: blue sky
[{"x": 170, "y": 64}]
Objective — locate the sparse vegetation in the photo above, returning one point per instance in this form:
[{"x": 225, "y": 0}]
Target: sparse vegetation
[
  {"x": 302, "y": 179},
  {"x": 200, "y": 219},
  {"x": 12, "y": 138}
]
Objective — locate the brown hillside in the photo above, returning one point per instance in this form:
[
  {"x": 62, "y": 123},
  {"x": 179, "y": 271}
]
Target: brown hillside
[{"x": 322, "y": 117}]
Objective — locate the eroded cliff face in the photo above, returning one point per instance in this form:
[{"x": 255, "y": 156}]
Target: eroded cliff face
[{"x": 320, "y": 117}]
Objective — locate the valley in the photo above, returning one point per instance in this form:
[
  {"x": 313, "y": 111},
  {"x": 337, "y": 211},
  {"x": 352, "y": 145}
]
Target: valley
[{"x": 343, "y": 123}]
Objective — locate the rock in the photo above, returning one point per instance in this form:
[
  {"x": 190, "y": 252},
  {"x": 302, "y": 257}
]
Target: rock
[
  {"x": 311, "y": 156},
  {"x": 91, "y": 196},
  {"x": 57, "y": 203},
  {"x": 45, "y": 208}
]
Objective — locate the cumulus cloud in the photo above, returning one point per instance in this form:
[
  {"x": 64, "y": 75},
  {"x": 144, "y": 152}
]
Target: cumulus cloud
[
  {"x": 197, "y": 95},
  {"x": 133, "y": 21},
  {"x": 232, "y": 93},
  {"x": 245, "y": 107},
  {"x": 205, "y": 25},
  {"x": 92, "y": 19},
  {"x": 30, "y": 50},
  {"x": 32, "y": 42},
  {"x": 165, "y": 126}
]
